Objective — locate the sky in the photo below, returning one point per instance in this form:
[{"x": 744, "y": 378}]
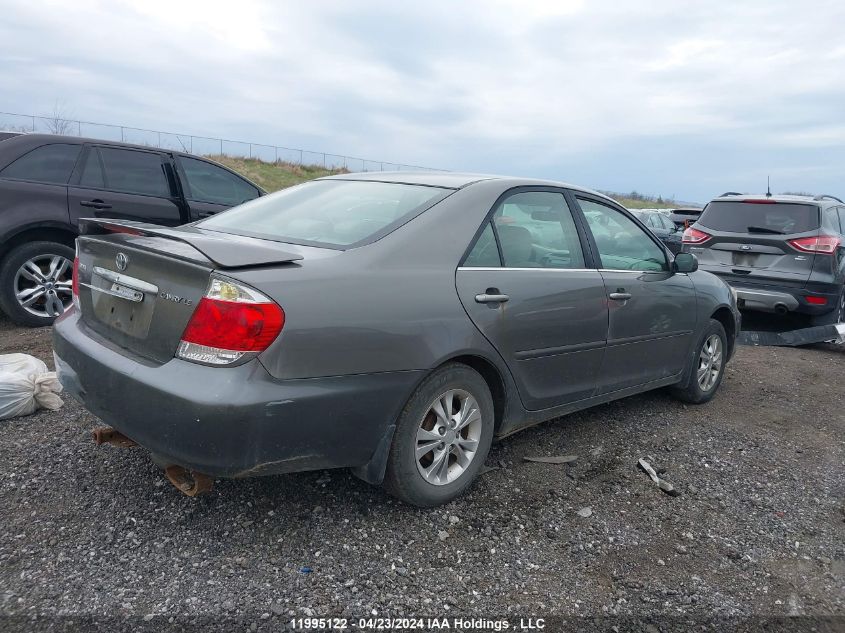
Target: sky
[{"x": 679, "y": 99}]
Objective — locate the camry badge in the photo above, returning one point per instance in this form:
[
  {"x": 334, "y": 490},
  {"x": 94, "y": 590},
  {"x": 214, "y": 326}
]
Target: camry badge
[{"x": 121, "y": 261}]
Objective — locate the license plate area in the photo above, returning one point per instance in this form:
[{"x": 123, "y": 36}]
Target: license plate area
[
  {"x": 121, "y": 306},
  {"x": 130, "y": 294}
]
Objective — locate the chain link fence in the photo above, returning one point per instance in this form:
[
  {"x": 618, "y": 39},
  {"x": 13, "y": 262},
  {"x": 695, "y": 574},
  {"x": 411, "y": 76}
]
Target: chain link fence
[{"x": 201, "y": 145}]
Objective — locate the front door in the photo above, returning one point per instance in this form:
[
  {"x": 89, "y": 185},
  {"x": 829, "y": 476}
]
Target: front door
[
  {"x": 126, "y": 184},
  {"x": 652, "y": 310},
  {"x": 526, "y": 286}
]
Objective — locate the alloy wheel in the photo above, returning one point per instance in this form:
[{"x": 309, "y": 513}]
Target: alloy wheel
[
  {"x": 448, "y": 437},
  {"x": 43, "y": 285},
  {"x": 710, "y": 362}
]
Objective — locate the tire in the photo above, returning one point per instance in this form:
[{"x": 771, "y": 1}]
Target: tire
[
  {"x": 17, "y": 276},
  {"x": 697, "y": 389},
  {"x": 419, "y": 426},
  {"x": 837, "y": 315}
]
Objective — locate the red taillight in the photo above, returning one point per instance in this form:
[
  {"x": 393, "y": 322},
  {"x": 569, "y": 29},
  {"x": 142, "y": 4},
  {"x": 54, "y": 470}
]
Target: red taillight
[
  {"x": 694, "y": 236},
  {"x": 234, "y": 326},
  {"x": 816, "y": 301},
  {"x": 231, "y": 320},
  {"x": 824, "y": 244},
  {"x": 75, "y": 283}
]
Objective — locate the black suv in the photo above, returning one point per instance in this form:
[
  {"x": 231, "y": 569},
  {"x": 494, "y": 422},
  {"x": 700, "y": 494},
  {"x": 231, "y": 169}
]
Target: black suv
[
  {"x": 47, "y": 183},
  {"x": 780, "y": 253}
]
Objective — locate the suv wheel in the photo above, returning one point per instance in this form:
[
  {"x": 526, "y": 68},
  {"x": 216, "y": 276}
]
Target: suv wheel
[
  {"x": 442, "y": 438},
  {"x": 707, "y": 366},
  {"x": 35, "y": 282}
]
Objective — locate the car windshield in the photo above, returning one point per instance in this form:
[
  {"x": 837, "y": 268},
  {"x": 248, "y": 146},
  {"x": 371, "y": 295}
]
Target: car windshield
[
  {"x": 774, "y": 218},
  {"x": 333, "y": 213}
]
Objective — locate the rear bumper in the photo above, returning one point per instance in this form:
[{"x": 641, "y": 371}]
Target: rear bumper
[
  {"x": 230, "y": 422},
  {"x": 781, "y": 298}
]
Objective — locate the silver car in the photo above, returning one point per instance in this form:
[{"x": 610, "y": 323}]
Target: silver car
[{"x": 392, "y": 323}]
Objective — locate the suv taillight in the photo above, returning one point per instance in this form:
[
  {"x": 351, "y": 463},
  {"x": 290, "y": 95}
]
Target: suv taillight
[
  {"x": 694, "y": 236},
  {"x": 231, "y": 321},
  {"x": 74, "y": 285},
  {"x": 825, "y": 244}
]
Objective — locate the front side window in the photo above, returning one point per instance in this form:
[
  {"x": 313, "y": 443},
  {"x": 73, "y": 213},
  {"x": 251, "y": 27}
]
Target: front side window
[
  {"x": 131, "y": 171},
  {"x": 48, "y": 163},
  {"x": 536, "y": 230},
  {"x": 210, "y": 183},
  {"x": 334, "y": 213},
  {"x": 621, "y": 243}
]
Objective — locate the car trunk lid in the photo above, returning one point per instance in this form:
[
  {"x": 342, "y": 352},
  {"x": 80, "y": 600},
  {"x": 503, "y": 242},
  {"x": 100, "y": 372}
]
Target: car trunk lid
[{"x": 140, "y": 284}]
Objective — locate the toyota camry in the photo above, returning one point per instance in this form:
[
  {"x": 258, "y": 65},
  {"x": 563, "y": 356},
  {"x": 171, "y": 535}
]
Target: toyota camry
[{"x": 391, "y": 323}]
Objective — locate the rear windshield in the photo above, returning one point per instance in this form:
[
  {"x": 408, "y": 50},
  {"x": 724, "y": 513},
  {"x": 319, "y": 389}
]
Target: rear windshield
[
  {"x": 745, "y": 217},
  {"x": 334, "y": 213}
]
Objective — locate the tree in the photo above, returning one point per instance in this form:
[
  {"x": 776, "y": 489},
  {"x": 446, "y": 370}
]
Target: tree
[{"x": 58, "y": 121}]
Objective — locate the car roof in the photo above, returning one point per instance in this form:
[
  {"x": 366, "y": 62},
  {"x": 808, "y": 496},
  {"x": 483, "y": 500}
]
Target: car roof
[
  {"x": 781, "y": 197},
  {"x": 40, "y": 139},
  {"x": 456, "y": 180}
]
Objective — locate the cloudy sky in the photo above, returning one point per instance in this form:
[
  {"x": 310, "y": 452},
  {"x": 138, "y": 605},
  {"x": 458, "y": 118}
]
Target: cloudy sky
[{"x": 675, "y": 98}]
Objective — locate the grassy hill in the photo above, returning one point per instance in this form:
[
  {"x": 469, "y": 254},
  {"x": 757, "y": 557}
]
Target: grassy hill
[{"x": 275, "y": 176}]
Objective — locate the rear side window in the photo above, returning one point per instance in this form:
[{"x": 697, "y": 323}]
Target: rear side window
[
  {"x": 48, "y": 163},
  {"x": 92, "y": 171},
  {"x": 210, "y": 183},
  {"x": 485, "y": 253},
  {"x": 131, "y": 171},
  {"x": 334, "y": 213},
  {"x": 773, "y": 218}
]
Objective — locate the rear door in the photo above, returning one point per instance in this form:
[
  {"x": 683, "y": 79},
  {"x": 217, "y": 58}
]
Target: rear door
[
  {"x": 747, "y": 240},
  {"x": 124, "y": 183},
  {"x": 210, "y": 189},
  {"x": 526, "y": 285},
  {"x": 652, "y": 311}
]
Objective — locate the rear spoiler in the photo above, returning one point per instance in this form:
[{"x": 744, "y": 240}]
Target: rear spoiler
[{"x": 224, "y": 250}]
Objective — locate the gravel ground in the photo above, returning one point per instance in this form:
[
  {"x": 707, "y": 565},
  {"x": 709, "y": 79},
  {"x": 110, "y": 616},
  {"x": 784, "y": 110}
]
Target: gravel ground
[{"x": 758, "y": 530}]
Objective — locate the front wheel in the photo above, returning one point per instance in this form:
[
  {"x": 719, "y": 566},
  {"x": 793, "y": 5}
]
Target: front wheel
[
  {"x": 707, "y": 366},
  {"x": 35, "y": 282},
  {"x": 442, "y": 437}
]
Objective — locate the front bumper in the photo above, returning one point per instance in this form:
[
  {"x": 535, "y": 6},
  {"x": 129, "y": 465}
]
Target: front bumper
[{"x": 229, "y": 421}]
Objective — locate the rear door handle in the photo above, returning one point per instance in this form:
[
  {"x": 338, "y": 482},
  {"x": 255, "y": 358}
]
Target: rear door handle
[
  {"x": 94, "y": 204},
  {"x": 620, "y": 296},
  {"x": 485, "y": 298}
]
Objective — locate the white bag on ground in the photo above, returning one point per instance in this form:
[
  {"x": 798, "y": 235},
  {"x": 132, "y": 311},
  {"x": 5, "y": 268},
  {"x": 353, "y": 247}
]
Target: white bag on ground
[{"x": 26, "y": 385}]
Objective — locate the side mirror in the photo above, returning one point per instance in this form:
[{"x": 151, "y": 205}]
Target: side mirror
[{"x": 685, "y": 263}]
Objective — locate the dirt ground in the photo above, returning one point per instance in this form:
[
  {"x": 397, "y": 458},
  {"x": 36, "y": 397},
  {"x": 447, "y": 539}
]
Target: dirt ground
[{"x": 758, "y": 529}]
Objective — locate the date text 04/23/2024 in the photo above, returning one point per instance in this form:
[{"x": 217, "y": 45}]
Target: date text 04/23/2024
[{"x": 420, "y": 624}]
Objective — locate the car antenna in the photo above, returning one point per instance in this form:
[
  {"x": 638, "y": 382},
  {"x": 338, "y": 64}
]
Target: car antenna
[{"x": 768, "y": 187}]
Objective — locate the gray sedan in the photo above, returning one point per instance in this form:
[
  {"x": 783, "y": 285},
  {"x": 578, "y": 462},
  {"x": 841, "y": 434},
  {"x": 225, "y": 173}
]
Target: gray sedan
[{"x": 390, "y": 323}]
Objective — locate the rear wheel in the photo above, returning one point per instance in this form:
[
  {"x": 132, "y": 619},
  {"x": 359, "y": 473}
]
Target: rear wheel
[
  {"x": 35, "y": 282},
  {"x": 707, "y": 366},
  {"x": 442, "y": 438}
]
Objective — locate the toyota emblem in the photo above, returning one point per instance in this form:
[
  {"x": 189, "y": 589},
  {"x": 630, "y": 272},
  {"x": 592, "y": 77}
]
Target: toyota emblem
[{"x": 121, "y": 261}]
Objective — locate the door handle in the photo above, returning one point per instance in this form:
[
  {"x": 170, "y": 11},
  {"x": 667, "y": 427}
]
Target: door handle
[
  {"x": 488, "y": 298},
  {"x": 94, "y": 204},
  {"x": 620, "y": 296}
]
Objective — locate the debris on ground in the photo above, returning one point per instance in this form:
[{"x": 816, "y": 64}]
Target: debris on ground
[
  {"x": 26, "y": 385},
  {"x": 552, "y": 459},
  {"x": 585, "y": 512},
  {"x": 664, "y": 485}
]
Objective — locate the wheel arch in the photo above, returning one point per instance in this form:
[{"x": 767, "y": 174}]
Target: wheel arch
[
  {"x": 492, "y": 375},
  {"x": 724, "y": 316},
  {"x": 51, "y": 232}
]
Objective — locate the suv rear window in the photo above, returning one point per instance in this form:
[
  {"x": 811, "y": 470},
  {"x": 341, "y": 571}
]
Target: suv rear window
[
  {"x": 333, "y": 213},
  {"x": 774, "y": 218}
]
